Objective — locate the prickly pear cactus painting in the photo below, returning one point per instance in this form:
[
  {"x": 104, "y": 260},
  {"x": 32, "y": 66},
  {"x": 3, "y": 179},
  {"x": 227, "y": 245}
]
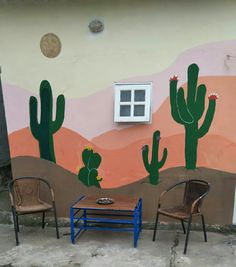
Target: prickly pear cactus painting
[
  {"x": 89, "y": 173},
  {"x": 43, "y": 131},
  {"x": 189, "y": 111},
  {"x": 154, "y": 165}
]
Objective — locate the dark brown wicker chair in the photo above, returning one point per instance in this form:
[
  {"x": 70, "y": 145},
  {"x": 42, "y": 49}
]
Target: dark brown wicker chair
[
  {"x": 25, "y": 199},
  {"x": 194, "y": 192}
]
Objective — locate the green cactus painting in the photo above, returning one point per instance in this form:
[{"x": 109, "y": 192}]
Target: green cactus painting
[
  {"x": 43, "y": 131},
  {"x": 89, "y": 173},
  {"x": 154, "y": 165},
  {"x": 189, "y": 111}
]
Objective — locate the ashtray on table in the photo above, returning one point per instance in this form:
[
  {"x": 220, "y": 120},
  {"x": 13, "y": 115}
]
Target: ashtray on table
[{"x": 105, "y": 201}]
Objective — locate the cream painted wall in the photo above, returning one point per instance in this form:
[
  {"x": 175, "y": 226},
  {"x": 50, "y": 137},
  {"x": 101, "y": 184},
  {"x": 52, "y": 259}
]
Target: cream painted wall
[{"x": 140, "y": 38}]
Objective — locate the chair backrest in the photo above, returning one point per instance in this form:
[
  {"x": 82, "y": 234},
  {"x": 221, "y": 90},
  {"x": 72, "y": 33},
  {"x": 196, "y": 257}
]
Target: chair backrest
[
  {"x": 26, "y": 191},
  {"x": 195, "y": 189}
]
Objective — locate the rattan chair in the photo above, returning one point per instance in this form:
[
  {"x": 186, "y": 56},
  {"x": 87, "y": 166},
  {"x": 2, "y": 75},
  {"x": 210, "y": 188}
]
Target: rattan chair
[
  {"x": 25, "y": 198},
  {"x": 193, "y": 192}
]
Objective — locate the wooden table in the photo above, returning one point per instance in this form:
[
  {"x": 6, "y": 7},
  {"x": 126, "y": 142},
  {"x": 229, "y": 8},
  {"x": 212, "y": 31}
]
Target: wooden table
[{"x": 125, "y": 214}]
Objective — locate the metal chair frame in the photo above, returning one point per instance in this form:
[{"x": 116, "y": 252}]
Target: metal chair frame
[
  {"x": 194, "y": 211},
  {"x": 15, "y": 213}
]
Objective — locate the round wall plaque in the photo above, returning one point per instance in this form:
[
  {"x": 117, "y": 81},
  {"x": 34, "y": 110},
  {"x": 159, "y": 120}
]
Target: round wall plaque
[{"x": 50, "y": 45}]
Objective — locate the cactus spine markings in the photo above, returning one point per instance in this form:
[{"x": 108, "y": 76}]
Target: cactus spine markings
[
  {"x": 154, "y": 166},
  {"x": 89, "y": 174},
  {"x": 43, "y": 131},
  {"x": 189, "y": 111}
]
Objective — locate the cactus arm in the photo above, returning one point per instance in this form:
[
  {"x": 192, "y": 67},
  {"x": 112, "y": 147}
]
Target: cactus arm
[
  {"x": 208, "y": 118},
  {"x": 200, "y": 102},
  {"x": 60, "y": 113},
  {"x": 94, "y": 161},
  {"x": 173, "y": 102},
  {"x": 155, "y": 148},
  {"x": 145, "y": 158},
  {"x": 192, "y": 86},
  {"x": 34, "y": 125},
  {"x": 86, "y": 155},
  {"x": 183, "y": 110},
  {"x": 163, "y": 160}
]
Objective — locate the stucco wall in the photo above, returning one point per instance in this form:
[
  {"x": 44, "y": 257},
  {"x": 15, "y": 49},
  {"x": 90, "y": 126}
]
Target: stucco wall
[
  {"x": 141, "y": 41},
  {"x": 139, "y": 38}
]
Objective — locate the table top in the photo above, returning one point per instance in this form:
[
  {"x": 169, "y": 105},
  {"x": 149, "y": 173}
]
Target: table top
[{"x": 122, "y": 203}]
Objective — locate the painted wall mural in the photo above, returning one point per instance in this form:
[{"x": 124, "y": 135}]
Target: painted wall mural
[
  {"x": 188, "y": 112},
  {"x": 206, "y": 140},
  {"x": 44, "y": 130},
  {"x": 155, "y": 164},
  {"x": 89, "y": 173}
]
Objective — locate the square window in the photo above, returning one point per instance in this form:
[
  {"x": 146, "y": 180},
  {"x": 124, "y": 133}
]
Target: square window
[
  {"x": 125, "y": 96},
  {"x": 139, "y": 110},
  {"x": 132, "y": 102},
  {"x": 125, "y": 110},
  {"x": 139, "y": 95}
]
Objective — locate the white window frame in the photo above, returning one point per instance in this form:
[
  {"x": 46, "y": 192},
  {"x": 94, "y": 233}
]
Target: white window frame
[{"x": 147, "y": 86}]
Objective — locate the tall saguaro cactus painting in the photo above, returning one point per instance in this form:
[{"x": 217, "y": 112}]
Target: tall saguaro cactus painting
[
  {"x": 189, "y": 111},
  {"x": 154, "y": 165},
  {"x": 43, "y": 131}
]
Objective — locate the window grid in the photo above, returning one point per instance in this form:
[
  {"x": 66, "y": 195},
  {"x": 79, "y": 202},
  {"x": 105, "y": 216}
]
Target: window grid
[{"x": 146, "y": 87}]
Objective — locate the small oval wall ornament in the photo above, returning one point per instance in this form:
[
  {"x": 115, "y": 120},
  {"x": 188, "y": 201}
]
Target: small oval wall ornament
[
  {"x": 96, "y": 26},
  {"x": 50, "y": 45}
]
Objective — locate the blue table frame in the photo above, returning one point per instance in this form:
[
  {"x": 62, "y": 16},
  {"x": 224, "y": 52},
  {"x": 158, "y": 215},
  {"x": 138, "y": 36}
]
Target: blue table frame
[{"x": 85, "y": 217}]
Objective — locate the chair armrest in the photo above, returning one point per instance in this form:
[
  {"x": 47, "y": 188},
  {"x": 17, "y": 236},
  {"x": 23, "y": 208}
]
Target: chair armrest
[
  {"x": 167, "y": 190},
  {"x": 49, "y": 187},
  {"x": 196, "y": 202},
  {"x": 11, "y": 198}
]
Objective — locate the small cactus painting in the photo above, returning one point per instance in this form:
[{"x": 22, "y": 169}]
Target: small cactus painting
[
  {"x": 154, "y": 165},
  {"x": 43, "y": 131},
  {"x": 189, "y": 111},
  {"x": 88, "y": 174}
]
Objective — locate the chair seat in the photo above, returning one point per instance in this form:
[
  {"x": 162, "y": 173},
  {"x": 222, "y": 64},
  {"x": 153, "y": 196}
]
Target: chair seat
[
  {"x": 178, "y": 212},
  {"x": 41, "y": 206}
]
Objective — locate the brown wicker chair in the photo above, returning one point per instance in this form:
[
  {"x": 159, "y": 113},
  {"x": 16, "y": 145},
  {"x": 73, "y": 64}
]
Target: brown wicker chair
[
  {"x": 25, "y": 198},
  {"x": 193, "y": 193}
]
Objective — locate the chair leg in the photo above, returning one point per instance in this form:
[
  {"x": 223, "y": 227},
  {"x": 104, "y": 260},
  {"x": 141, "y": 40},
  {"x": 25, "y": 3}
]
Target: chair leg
[
  {"x": 182, "y": 222},
  {"x": 187, "y": 236},
  {"x": 55, "y": 216},
  {"x": 15, "y": 225},
  {"x": 155, "y": 227},
  {"x": 43, "y": 220},
  {"x": 204, "y": 228}
]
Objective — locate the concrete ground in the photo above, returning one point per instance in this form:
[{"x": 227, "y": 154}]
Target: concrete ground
[{"x": 39, "y": 247}]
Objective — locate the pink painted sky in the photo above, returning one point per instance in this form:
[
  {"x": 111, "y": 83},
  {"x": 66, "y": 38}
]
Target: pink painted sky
[{"x": 93, "y": 115}]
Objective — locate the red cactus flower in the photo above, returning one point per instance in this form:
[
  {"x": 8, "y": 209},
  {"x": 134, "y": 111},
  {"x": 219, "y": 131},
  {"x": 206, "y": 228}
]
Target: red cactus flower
[
  {"x": 213, "y": 96},
  {"x": 174, "y": 78}
]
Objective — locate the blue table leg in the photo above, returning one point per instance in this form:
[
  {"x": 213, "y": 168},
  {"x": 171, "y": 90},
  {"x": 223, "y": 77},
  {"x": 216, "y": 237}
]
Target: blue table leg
[
  {"x": 72, "y": 228},
  {"x": 135, "y": 228},
  {"x": 85, "y": 219}
]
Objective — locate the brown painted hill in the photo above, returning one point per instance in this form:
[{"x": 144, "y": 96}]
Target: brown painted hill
[
  {"x": 67, "y": 188},
  {"x": 224, "y": 123},
  {"x": 124, "y": 166}
]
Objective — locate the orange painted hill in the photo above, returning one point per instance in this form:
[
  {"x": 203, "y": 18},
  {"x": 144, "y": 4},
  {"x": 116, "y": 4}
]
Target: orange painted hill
[
  {"x": 224, "y": 123},
  {"x": 123, "y": 166}
]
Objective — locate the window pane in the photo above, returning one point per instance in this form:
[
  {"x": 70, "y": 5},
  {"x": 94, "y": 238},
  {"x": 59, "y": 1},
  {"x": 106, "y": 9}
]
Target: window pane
[
  {"x": 125, "y": 96},
  {"x": 139, "y": 110},
  {"x": 125, "y": 110},
  {"x": 139, "y": 95}
]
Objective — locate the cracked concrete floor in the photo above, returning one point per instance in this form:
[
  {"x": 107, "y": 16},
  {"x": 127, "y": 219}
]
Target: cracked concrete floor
[{"x": 39, "y": 247}]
